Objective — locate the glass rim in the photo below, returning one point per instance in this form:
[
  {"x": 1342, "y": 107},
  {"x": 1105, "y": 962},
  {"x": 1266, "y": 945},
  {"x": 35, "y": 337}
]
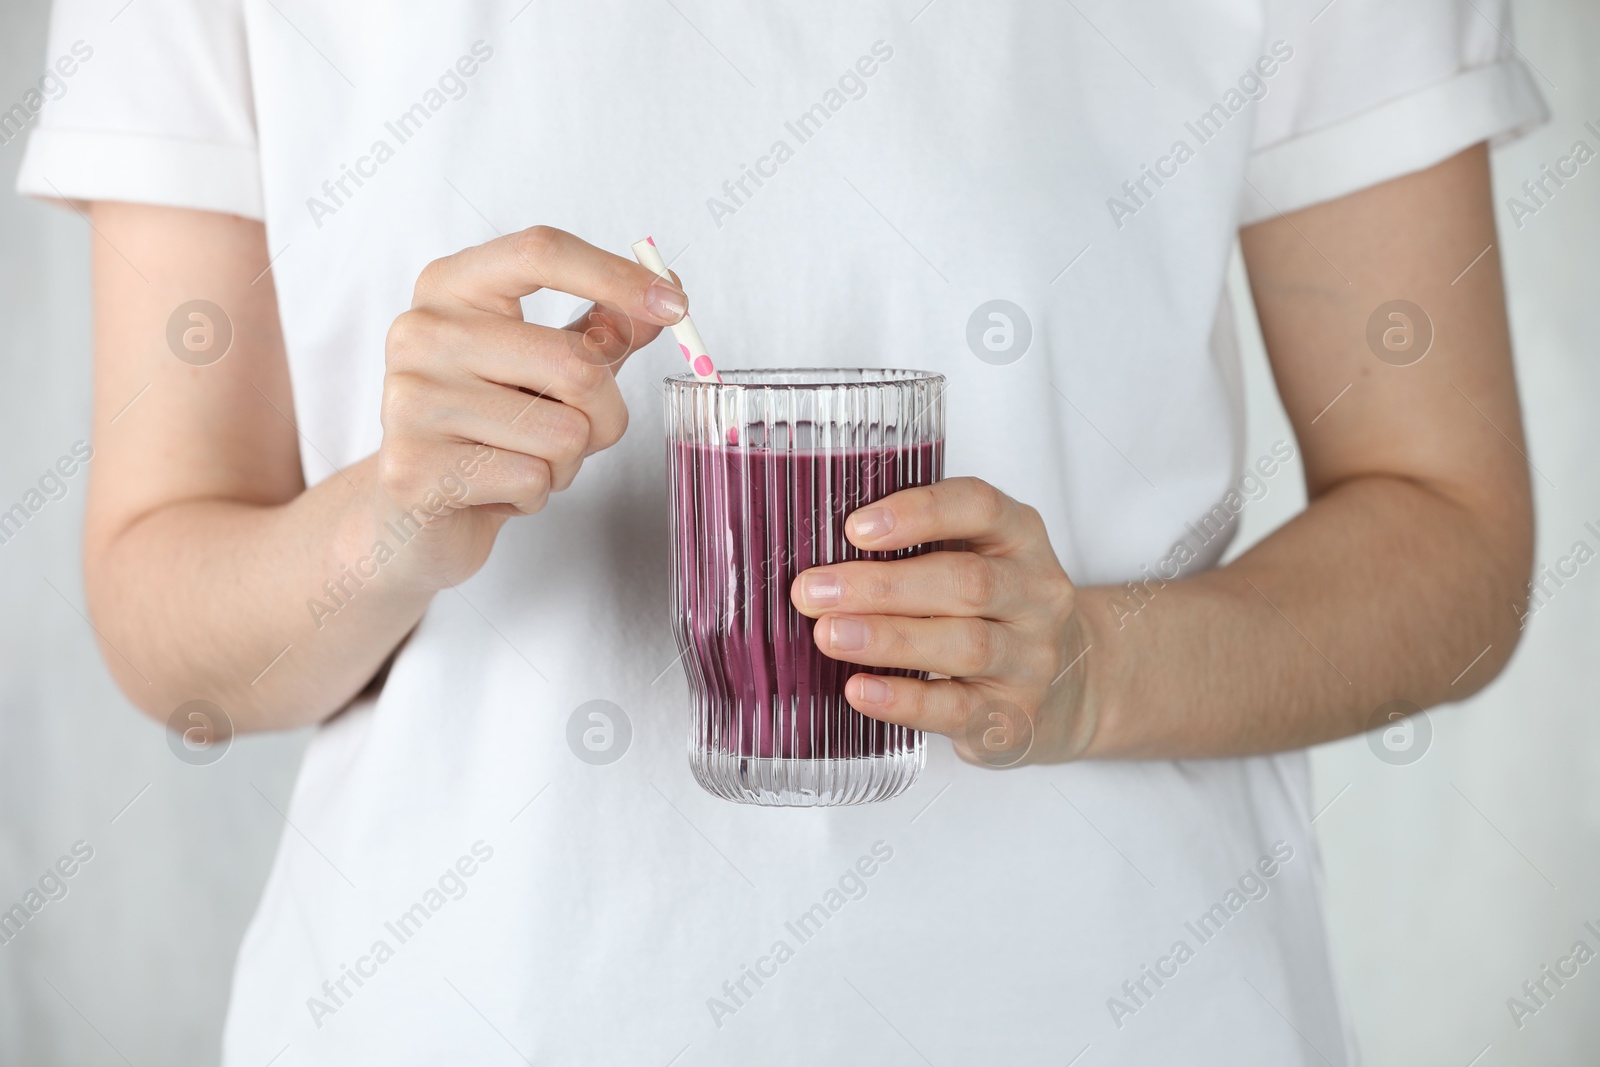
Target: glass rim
[{"x": 825, "y": 378}]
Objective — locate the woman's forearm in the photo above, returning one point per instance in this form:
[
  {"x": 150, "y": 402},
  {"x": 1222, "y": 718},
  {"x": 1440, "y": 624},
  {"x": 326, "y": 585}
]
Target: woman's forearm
[
  {"x": 1381, "y": 590},
  {"x": 279, "y": 615}
]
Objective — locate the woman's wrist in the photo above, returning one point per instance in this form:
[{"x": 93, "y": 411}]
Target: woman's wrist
[
  {"x": 371, "y": 555},
  {"x": 1091, "y": 678}
]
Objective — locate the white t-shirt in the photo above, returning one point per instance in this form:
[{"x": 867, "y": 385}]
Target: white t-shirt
[{"x": 838, "y": 183}]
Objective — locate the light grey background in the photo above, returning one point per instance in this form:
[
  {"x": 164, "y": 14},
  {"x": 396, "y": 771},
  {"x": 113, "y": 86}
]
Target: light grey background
[{"x": 1449, "y": 882}]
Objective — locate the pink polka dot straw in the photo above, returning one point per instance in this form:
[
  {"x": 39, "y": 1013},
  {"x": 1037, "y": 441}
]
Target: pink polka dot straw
[{"x": 693, "y": 348}]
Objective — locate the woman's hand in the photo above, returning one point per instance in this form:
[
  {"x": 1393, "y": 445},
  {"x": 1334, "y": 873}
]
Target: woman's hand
[
  {"x": 485, "y": 415},
  {"x": 996, "y": 619}
]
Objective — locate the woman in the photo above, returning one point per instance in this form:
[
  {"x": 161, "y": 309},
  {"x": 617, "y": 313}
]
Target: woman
[{"x": 340, "y": 426}]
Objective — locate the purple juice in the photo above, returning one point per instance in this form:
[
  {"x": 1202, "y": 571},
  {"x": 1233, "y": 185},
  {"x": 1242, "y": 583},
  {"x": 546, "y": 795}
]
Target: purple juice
[{"x": 747, "y": 520}]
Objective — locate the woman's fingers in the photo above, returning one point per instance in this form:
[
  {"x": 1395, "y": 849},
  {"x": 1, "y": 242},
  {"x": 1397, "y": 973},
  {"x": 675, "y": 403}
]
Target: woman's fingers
[
  {"x": 937, "y": 583},
  {"x": 998, "y": 621},
  {"x": 943, "y": 706},
  {"x": 519, "y": 482},
  {"x": 985, "y": 722},
  {"x": 458, "y": 348},
  {"x": 956, "y": 509},
  {"x": 509, "y": 420},
  {"x": 495, "y": 276},
  {"x": 611, "y": 335},
  {"x": 427, "y": 478},
  {"x": 462, "y": 365},
  {"x": 608, "y": 336},
  {"x": 958, "y": 647},
  {"x": 483, "y": 410},
  {"x": 425, "y": 421}
]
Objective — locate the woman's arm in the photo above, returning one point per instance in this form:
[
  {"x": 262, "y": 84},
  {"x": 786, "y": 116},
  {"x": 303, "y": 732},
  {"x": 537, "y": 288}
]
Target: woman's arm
[
  {"x": 1411, "y": 561},
  {"x": 203, "y": 547},
  {"x": 1401, "y": 580}
]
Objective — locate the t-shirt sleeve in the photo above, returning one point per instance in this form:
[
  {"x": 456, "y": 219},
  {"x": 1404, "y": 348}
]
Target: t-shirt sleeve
[
  {"x": 156, "y": 108},
  {"x": 1375, "y": 89}
]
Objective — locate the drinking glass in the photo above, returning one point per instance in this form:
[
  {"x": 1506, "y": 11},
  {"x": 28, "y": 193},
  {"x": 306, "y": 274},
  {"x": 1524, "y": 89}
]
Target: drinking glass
[{"x": 764, "y": 467}]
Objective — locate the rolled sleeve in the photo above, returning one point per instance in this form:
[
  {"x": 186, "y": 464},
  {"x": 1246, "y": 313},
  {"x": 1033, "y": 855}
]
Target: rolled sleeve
[
  {"x": 1384, "y": 94},
  {"x": 158, "y": 110},
  {"x": 141, "y": 169}
]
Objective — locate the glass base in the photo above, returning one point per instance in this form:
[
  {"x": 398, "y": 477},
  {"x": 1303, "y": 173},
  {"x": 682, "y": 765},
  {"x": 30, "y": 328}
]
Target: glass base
[{"x": 808, "y": 783}]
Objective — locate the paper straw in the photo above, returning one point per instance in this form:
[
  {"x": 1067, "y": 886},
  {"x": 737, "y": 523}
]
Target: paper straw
[{"x": 694, "y": 349}]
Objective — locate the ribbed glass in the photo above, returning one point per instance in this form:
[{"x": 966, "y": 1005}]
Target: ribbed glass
[{"x": 763, "y": 469}]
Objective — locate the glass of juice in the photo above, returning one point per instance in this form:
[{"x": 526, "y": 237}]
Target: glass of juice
[{"x": 763, "y": 468}]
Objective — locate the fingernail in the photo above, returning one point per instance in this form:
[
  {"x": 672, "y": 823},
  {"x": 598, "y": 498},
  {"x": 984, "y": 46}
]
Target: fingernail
[
  {"x": 870, "y": 690},
  {"x": 665, "y": 301},
  {"x": 820, "y": 590},
  {"x": 872, "y": 522},
  {"x": 847, "y": 635}
]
